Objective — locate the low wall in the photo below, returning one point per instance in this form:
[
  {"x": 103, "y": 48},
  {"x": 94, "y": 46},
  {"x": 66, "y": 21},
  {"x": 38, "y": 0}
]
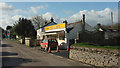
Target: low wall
[
  {"x": 27, "y": 41},
  {"x": 93, "y": 56},
  {"x": 31, "y": 42},
  {"x": 22, "y": 41}
]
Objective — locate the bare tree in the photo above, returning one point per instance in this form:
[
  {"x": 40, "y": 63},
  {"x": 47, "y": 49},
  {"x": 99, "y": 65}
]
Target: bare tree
[{"x": 38, "y": 21}]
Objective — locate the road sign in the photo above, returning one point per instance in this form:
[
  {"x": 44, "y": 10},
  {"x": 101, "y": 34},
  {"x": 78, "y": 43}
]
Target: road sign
[{"x": 8, "y": 32}]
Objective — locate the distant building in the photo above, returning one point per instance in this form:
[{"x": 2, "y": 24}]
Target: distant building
[
  {"x": 77, "y": 27},
  {"x": 109, "y": 32}
]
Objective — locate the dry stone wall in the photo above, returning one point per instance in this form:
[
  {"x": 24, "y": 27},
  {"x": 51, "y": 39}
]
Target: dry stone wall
[{"x": 96, "y": 57}]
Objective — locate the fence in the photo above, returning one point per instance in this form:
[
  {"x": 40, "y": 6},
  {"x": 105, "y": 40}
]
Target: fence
[{"x": 99, "y": 38}]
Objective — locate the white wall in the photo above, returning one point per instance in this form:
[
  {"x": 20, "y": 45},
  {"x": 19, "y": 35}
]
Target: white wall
[
  {"x": 38, "y": 33},
  {"x": 41, "y": 31}
]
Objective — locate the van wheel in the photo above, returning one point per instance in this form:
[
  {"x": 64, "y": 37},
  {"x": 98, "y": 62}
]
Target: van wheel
[
  {"x": 46, "y": 49},
  {"x": 40, "y": 47}
]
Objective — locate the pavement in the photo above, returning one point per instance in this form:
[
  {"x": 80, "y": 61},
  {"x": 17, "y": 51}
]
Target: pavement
[
  {"x": 62, "y": 52},
  {"x": 15, "y": 54}
]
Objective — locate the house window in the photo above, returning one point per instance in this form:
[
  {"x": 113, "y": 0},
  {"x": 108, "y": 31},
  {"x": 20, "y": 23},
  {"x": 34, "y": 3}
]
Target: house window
[{"x": 62, "y": 36}]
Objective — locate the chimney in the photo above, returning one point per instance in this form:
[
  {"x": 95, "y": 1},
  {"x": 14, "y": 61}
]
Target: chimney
[
  {"x": 83, "y": 23},
  {"x": 52, "y": 20},
  {"x": 45, "y": 22},
  {"x": 65, "y": 23}
]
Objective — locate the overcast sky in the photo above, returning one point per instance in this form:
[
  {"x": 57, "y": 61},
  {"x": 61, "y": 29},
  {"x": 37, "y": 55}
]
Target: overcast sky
[{"x": 96, "y": 12}]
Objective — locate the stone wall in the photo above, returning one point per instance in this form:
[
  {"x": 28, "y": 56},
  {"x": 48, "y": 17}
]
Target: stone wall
[
  {"x": 93, "y": 56},
  {"x": 31, "y": 42},
  {"x": 27, "y": 41},
  {"x": 22, "y": 41}
]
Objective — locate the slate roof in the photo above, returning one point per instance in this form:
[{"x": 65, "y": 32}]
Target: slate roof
[{"x": 47, "y": 24}]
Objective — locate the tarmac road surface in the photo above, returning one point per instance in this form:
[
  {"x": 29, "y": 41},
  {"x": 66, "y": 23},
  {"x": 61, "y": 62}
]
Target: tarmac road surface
[{"x": 15, "y": 54}]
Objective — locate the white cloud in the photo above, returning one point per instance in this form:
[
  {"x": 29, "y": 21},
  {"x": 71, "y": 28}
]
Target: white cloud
[
  {"x": 67, "y": 12},
  {"x": 5, "y": 18},
  {"x": 93, "y": 17},
  {"x": 48, "y": 16},
  {"x": 6, "y": 22},
  {"x": 8, "y": 15},
  {"x": 9, "y": 20},
  {"x": 31, "y": 11},
  {"x": 35, "y": 9},
  {"x": 5, "y": 7},
  {"x": 16, "y": 17}
]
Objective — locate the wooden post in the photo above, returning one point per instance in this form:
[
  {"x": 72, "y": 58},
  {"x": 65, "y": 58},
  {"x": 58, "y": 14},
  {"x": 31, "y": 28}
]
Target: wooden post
[{"x": 66, "y": 34}]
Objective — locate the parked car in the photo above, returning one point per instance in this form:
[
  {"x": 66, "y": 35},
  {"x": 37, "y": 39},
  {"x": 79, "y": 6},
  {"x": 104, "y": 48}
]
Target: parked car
[{"x": 48, "y": 42}]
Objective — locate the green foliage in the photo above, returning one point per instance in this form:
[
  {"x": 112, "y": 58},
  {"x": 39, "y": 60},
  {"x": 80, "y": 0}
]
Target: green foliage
[
  {"x": 2, "y": 30},
  {"x": 24, "y": 28},
  {"x": 89, "y": 45},
  {"x": 8, "y": 27}
]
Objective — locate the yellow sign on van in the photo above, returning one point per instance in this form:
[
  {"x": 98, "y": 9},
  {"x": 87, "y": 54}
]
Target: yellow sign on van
[{"x": 58, "y": 26}]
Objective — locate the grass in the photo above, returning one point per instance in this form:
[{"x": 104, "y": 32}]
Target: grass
[{"x": 89, "y": 45}]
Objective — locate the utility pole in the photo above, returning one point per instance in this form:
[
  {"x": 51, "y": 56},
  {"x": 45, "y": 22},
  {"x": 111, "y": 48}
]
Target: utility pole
[
  {"x": 112, "y": 19},
  {"x": 0, "y": 36}
]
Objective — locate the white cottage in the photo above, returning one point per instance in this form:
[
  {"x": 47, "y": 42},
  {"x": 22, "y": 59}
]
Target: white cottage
[
  {"x": 63, "y": 32},
  {"x": 41, "y": 31}
]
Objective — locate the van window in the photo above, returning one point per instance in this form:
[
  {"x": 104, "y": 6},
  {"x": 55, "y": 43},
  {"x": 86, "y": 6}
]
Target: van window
[
  {"x": 52, "y": 40},
  {"x": 44, "y": 40}
]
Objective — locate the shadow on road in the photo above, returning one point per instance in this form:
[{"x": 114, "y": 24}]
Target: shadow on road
[
  {"x": 6, "y": 45},
  {"x": 11, "y": 60},
  {"x": 8, "y": 54}
]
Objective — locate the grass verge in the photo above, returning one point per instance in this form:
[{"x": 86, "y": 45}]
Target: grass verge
[{"x": 89, "y": 45}]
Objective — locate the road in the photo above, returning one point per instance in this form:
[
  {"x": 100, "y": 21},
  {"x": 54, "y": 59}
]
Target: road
[{"x": 15, "y": 54}]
